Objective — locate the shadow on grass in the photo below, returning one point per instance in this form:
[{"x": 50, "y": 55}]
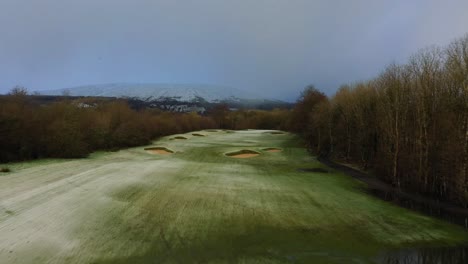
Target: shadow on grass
[
  {"x": 448, "y": 255},
  {"x": 316, "y": 170},
  {"x": 266, "y": 244},
  {"x": 276, "y": 245},
  {"x": 5, "y": 170}
]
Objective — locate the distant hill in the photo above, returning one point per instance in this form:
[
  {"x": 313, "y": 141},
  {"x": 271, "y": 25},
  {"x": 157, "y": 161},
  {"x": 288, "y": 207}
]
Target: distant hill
[
  {"x": 180, "y": 92},
  {"x": 174, "y": 97}
]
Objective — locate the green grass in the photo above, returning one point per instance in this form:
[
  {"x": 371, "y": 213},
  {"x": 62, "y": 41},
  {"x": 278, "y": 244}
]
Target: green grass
[
  {"x": 263, "y": 210},
  {"x": 200, "y": 206}
]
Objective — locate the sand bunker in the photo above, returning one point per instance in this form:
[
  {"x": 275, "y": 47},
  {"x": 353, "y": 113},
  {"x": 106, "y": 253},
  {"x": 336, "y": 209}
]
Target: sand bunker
[
  {"x": 273, "y": 150},
  {"x": 211, "y": 130},
  {"x": 159, "y": 150},
  {"x": 198, "y": 135},
  {"x": 243, "y": 154},
  {"x": 178, "y": 137}
]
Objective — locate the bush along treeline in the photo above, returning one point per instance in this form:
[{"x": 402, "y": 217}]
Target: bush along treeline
[
  {"x": 73, "y": 128},
  {"x": 409, "y": 125}
]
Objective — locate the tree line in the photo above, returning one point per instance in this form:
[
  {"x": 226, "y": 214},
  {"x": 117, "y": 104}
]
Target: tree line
[
  {"x": 409, "y": 125},
  {"x": 70, "y": 129},
  {"x": 73, "y": 128}
]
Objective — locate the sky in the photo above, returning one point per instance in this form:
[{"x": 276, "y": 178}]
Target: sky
[{"x": 272, "y": 47}]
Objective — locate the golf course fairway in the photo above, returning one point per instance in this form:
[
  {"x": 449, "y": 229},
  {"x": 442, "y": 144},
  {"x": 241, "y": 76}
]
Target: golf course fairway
[{"x": 197, "y": 204}]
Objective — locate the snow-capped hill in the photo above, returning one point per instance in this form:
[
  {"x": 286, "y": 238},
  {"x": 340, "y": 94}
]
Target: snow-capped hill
[{"x": 179, "y": 92}]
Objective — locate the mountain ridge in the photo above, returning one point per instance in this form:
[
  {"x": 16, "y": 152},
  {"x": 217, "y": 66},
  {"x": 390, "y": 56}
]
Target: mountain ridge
[{"x": 161, "y": 91}]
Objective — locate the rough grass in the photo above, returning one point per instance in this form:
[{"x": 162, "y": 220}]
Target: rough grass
[{"x": 201, "y": 207}]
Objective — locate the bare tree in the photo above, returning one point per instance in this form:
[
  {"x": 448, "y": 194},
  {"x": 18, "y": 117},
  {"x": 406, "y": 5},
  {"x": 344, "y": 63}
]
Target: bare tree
[{"x": 18, "y": 91}]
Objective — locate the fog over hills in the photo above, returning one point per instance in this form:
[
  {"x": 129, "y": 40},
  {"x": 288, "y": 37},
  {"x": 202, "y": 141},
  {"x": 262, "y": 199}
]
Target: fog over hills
[{"x": 150, "y": 91}]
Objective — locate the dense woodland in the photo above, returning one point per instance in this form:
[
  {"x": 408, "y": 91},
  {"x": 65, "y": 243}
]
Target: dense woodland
[{"x": 409, "y": 125}]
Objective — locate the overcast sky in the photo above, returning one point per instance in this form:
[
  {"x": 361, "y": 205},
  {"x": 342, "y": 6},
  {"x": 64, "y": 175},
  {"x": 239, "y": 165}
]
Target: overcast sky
[{"x": 274, "y": 47}]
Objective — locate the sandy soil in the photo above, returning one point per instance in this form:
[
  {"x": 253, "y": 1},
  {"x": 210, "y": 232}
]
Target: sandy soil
[{"x": 159, "y": 151}]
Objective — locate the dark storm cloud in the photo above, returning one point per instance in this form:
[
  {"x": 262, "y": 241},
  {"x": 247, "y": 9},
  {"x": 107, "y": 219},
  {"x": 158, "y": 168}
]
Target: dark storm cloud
[{"x": 274, "y": 47}]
